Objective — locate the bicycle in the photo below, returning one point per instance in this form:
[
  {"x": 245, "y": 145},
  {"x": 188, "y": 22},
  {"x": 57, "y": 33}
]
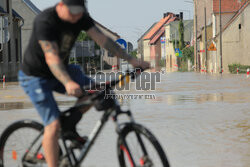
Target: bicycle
[{"x": 127, "y": 156}]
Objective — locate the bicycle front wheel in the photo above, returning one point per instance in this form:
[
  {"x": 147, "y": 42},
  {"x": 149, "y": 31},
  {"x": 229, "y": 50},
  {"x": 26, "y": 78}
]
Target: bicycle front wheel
[
  {"x": 137, "y": 147},
  {"x": 15, "y": 145}
]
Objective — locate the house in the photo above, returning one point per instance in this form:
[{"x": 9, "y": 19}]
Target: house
[
  {"x": 172, "y": 35},
  {"x": 236, "y": 39},
  {"x": 10, "y": 52},
  {"x": 140, "y": 49},
  {"x": 87, "y": 48},
  {"x": 28, "y": 11},
  {"x": 107, "y": 57},
  {"x": 205, "y": 58},
  {"x": 151, "y": 41}
]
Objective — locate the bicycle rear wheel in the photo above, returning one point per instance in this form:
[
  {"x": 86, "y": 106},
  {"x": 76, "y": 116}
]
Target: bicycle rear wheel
[
  {"x": 16, "y": 141},
  {"x": 137, "y": 145}
]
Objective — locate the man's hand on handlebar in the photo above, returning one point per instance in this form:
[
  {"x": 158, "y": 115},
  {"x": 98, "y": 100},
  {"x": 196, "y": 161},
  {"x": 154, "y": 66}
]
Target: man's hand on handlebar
[{"x": 73, "y": 89}]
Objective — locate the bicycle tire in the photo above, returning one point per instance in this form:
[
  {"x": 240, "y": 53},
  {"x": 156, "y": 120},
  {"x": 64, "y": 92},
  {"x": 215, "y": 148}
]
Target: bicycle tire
[
  {"x": 11, "y": 130},
  {"x": 145, "y": 134}
]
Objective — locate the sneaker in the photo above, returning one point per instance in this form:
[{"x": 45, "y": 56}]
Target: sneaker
[{"x": 76, "y": 140}]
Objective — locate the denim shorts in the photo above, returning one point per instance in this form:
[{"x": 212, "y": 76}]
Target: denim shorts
[{"x": 40, "y": 91}]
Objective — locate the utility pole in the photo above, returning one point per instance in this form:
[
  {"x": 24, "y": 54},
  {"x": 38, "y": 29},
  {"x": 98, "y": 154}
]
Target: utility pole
[
  {"x": 205, "y": 29},
  {"x": 195, "y": 32},
  {"x": 221, "y": 67},
  {"x": 196, "y": 42}
]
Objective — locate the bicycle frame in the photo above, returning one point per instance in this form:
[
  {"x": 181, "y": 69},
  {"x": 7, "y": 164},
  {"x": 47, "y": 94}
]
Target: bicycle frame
[{"x": 114, "y": 112}]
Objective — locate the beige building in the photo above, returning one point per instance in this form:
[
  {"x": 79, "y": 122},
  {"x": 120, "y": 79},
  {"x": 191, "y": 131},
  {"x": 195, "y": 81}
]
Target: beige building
[
  {"x": 236, "y": 39},
  {"x": 228, "y": 9},
  {"x": 172, "y": 33}
]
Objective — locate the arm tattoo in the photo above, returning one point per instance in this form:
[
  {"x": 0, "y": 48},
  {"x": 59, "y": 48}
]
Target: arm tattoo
[
  {"x": 56, "y": 66},
  {"x": 111, "y": 46},
  {"x": 60, "y": 72},
  {"x": 49, "y": 47}
]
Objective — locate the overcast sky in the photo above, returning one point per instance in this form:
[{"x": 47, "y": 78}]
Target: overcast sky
[{"x": 129, "y": 18}]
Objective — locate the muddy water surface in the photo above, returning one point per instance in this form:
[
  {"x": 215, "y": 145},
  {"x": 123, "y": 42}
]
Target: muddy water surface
[{"x": 200, "y": 120}]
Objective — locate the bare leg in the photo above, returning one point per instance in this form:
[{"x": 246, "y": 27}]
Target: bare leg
[{"x": 50, "y": 143}]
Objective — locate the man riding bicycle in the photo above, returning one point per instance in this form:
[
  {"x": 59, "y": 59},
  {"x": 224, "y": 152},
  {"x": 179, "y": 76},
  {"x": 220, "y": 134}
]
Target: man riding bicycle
[{"x": 45, "y": 64}]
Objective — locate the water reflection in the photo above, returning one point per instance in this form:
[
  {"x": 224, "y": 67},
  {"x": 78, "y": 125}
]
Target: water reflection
[
  {"x": 28, "y": 105},
  {"x": 201, "y": 120}
]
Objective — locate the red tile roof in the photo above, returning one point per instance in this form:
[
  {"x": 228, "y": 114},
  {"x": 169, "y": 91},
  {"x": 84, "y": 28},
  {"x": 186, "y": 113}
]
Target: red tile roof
[
  {"x": 161, "y": 31},
  {"x": 227, "y": 6},
  {"x": 158, "y": 26},
  {"x": 157, "y": 36},
  {"x": 236, "y": 15}
]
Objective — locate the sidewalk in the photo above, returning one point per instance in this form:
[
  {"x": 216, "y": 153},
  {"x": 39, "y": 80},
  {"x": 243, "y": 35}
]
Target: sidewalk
[{"x": 14, "y": 93}]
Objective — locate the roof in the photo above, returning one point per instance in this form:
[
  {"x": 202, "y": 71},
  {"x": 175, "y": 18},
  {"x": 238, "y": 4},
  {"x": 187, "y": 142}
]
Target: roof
[
  {"x": 32, "y": 6},
  {"x": 227, "y": 6},
  {"x": 234, "y": 18},
  {"x": 157, "y": 36},
  {"x": 115, "y": 34},
  {"x": 158, "y": 26},
  {"x": 2, "y": 10},
  {"x": 147, "y": 31},
  {"x": 15, "y": 14},
  {"x": 237, "y": 14},
  {"x": 161, "y": 31}
]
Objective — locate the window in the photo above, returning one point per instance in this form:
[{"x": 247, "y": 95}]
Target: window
[{"x": 239, "y": 26}]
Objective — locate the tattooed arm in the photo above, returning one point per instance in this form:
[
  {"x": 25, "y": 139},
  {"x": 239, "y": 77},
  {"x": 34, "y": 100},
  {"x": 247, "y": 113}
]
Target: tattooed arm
[
  {"x": 107, "y": 43},
  {"x": 54, "y": 62},
  {"x": 57, "y": 67}
]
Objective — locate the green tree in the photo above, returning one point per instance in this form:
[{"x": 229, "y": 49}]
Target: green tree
[
  {"x": 181, "y": 35},
  {"x": 83, "y": 36},
  {"x": 188, "y": 53},
  {"x": 133, "y": 53}
]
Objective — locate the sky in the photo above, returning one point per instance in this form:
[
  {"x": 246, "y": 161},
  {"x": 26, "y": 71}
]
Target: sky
[{"x": 131, "y": 18}]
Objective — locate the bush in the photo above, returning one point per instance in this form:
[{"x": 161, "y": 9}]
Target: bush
[{"x": 242, "y": 68}]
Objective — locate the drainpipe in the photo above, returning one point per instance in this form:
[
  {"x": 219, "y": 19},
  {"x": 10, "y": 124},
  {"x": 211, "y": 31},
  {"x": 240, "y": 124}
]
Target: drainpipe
[
  {"x": 2, "y": 32},
  {"x": 21, "y": 51},
  {"x": 221, "y": 65}
]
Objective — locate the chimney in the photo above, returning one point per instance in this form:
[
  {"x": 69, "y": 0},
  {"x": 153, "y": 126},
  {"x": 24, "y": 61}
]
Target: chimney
[
  {"x": 167, "y": 14},
  {"x": 181, "y": 15}
]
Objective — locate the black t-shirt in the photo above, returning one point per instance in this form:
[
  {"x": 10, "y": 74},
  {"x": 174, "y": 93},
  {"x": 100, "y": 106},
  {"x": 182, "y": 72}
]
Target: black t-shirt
[{"x": 48, "y": 26}]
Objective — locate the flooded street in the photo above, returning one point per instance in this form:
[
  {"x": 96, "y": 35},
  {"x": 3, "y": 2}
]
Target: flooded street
[{"x": 200, "y": 120}]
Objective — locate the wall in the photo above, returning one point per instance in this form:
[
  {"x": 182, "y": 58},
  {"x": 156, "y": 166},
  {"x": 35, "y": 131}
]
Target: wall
[
  {"x": 171, "y": 60},
  {"x": 28, "y": 15},
  {"x": 11, "y": 50},
  {"x": 106, "y": 58},
  {"x": 236, "y": 41},
  {"x": 146, "y": 48}
]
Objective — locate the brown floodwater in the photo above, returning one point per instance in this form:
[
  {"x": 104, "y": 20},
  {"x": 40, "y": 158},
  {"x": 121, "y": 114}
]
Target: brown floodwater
[{"x": 200, "y": 120}]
